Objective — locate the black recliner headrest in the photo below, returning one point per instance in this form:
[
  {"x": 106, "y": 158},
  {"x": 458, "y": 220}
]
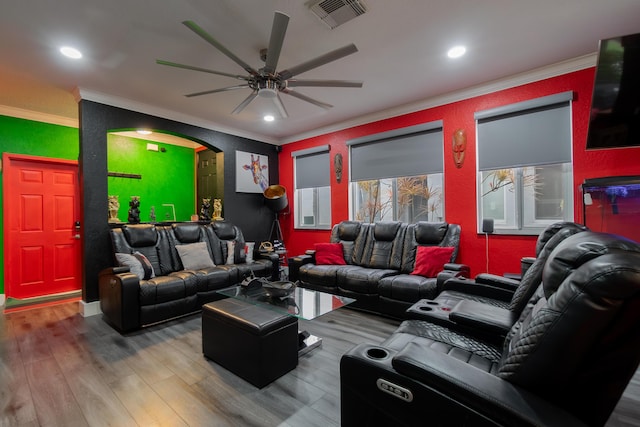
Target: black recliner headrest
[
  {"x": 140, "y": 235},
  {"x": 385, "y": 231},
  {"x": 578, "y": 249},
  {"x": 187, "y": 233},
  {"x": 224, "y": 230},
  {"x": 349, "y": 230},
  {"x": 550, "y": 231},
  {"x": 430, "y": 233}
]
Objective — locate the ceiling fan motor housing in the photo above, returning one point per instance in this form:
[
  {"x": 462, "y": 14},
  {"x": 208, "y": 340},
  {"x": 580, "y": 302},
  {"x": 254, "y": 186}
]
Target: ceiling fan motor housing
[{"x": 267, "y": 88}]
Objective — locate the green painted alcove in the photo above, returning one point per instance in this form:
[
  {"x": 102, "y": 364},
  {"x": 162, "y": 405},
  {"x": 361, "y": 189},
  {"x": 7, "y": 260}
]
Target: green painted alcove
[{"x": 162, "y": 175}]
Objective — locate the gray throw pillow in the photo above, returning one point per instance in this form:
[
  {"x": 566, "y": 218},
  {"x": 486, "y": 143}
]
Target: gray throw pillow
[
  {"x": 138, "y": 264},
  {"x": 195, "y": 256}
]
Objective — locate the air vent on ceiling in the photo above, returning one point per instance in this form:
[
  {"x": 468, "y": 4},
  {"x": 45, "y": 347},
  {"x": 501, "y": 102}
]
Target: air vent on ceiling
[{"x": 337, "y": 12}]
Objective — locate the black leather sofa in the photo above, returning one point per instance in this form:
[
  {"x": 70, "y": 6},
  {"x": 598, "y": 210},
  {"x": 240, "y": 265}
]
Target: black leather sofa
[
  {"x": 379, "y": 259},
  {"x": 565, "y": 362},
  {"x": 129, "y": 302}
]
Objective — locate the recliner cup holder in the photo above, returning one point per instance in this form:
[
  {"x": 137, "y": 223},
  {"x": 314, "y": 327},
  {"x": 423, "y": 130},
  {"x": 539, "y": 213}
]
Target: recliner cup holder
[
  {"x": 425, "y": 308},
  {"x": 377, "y": 353},
  {"x": 432, "y": 302}
]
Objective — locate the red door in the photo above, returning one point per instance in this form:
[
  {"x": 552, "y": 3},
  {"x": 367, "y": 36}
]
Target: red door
[{"x": 42, "y": 242}]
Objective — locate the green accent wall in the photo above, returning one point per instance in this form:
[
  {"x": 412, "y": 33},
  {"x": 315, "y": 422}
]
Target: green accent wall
[
  {"x": 20, "y": 136},
  {"x": 167, "y": 178}
]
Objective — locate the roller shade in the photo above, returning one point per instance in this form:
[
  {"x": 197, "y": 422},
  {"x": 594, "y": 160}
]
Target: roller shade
[
  {"x": 312, "y": 167},
  {"x": 404, "y": 152},
  {"x": 530, "y": 133}
]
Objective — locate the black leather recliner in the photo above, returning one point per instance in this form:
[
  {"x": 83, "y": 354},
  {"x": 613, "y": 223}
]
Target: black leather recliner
[
  {"x": 488, "y": 307},
  {"x": 566, "y": 361}
]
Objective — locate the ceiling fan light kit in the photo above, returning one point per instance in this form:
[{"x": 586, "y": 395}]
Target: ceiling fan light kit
[{"x": 266, "y": 82}]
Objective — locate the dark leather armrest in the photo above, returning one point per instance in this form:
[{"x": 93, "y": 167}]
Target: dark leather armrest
[
  {"x": 482, "y": 317},
  {"x": 119, "y": 292},
  {"x": 481, "y": 392},
  {"x": 275, "y": 262},
  {"x": 469, "y": 286},
  {"x": 462, "y": 270},
  {"x": 295, "y": 263},
  {"x": 497, "y": 281}
]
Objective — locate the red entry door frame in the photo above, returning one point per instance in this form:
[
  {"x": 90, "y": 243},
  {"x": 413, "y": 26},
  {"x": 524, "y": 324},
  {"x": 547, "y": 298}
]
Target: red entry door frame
[{"x": 41, "y": 226}]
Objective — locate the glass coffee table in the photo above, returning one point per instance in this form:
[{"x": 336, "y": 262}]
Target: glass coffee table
[{"x": 302, "y": 303}]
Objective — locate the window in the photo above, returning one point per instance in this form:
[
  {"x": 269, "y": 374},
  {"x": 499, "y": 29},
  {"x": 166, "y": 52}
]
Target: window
[
  {"x": 312, "y": 198},
  {"x": 398, "y": 175},
  {"x": 524, "y": 165}
]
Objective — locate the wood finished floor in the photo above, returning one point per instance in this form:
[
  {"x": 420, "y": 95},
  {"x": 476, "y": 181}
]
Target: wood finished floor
[{"x": 60, "y": 369}]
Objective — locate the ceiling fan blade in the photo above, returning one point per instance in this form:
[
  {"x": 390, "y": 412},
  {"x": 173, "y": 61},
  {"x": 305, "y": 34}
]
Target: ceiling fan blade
[
  {"x": 306, "y": 98},
  {"x": 278, "y": 30},
  {"x": 320, "y": 60},
  {"x": 215, "y": 43},
  {"x": 204, "y": 70},
  {"x": 280, "y": 106},
  {"x": 224, "y": 89},
  {"x": 246, "y": 102},
  {"x": 323, "y": 83}
]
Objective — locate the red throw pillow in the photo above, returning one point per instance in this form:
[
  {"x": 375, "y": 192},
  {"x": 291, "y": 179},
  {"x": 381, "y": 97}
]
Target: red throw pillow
[
  {"x": 430, "y": 260},
  {"x": 329, "y": 254}
]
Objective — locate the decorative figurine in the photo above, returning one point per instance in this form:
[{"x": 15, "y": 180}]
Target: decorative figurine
[
  {"x": 337, "y": 164},
  {"x": 152, "y": 214},
  {"x": 114, "y": 205},
  {"x": 134, "y": 210},
  {"x": 204, "y": 210},
  {"x": 459, "y": 147},
  {"x": 217, "y": 209}
]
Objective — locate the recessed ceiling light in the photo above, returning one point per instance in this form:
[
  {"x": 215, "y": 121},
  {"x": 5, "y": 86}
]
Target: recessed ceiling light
[
  {"x": 71, "y": 52},
  {"x": 456, "y": 51},
  {"x": 269, "y": 118}
]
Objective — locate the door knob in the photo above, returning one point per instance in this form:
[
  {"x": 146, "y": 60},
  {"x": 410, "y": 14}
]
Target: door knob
[{"x": 76, "y": 236}]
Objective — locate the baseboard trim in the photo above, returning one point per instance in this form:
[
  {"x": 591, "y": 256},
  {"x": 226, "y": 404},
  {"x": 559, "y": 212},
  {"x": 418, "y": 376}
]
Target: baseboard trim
[
  {"x": 88, "y": 309},
  {"x": 2, "y": 301}
]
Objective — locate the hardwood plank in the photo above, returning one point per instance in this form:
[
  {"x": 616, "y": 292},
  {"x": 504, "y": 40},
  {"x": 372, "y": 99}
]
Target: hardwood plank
[
  {"x": 53, "y": 399},
  {"x": 146, "y": 407}
]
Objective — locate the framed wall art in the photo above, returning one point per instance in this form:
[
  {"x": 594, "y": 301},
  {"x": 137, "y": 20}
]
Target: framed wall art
[{"x": 252, "y": 172}]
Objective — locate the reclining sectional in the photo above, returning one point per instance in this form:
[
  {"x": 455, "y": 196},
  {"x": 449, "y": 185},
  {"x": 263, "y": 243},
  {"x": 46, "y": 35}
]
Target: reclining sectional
[
  {"x": 565, "y": 361},
  {"x": 171, "y": 270},
  {"x": 377, "y": 261}
]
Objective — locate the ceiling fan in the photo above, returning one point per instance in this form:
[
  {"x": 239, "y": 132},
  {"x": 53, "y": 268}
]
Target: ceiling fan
[{"x": 266, "y": 82}]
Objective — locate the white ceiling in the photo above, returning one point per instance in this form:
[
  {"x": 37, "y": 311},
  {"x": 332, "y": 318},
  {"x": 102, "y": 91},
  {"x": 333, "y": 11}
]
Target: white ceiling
[{"x": 401, "y": 59}]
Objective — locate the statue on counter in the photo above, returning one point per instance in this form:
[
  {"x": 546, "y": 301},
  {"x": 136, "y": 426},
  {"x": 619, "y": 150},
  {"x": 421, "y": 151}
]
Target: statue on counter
[
  {"x": 134, "y": 210},
  {"x": 204, "y": 210},
  {"x": 217, "y": 209},
  {"x": 114, "y": 205}
]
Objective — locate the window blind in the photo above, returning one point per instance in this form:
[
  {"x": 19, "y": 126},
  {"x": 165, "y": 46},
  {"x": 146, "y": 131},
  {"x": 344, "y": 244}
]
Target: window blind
[
  {"x": 416, "y": 150},
  {"x": 530, "y": 133},
  {"x": 312, "y": 167}
]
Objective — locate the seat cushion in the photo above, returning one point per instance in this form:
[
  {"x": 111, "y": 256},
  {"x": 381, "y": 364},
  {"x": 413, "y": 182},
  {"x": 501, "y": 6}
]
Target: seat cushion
[
  {"x": 362, "y": 279},
  {"x": 407, "y": 287}
]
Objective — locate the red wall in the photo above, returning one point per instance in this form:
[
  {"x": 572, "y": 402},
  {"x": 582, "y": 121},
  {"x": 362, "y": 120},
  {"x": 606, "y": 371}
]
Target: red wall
[{"x": 460, "y": 184}]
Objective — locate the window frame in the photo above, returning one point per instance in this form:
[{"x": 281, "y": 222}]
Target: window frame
[
  {"x": 316, "y": 201},
  {"x": 522, "y": 207}
]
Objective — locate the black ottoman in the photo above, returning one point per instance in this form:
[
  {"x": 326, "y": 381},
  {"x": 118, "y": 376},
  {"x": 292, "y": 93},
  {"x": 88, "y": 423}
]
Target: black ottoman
[{"x": 255, "y": 343}]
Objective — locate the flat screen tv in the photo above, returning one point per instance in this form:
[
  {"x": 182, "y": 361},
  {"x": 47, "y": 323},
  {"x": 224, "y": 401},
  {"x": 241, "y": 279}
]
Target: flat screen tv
[{"x": 615, "y": 107}]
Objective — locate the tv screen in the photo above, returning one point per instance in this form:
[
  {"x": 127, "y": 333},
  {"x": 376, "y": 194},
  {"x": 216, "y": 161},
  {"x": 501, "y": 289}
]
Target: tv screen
[{"x": 615, "y": 107}]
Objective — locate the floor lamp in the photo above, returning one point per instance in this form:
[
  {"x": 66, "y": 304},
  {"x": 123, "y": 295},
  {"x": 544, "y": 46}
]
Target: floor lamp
[{"x": 275, "y": 197}]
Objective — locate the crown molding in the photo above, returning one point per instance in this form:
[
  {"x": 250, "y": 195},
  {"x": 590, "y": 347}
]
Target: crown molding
[
  {"x": 115, "y": 101},
  {"x": 21, "y": 113},
  {"x": 553, "y": 70}
]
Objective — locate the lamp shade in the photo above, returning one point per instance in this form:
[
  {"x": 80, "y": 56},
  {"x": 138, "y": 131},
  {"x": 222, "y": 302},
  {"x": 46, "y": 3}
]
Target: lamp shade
[{"x": 275, "y": 197}]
